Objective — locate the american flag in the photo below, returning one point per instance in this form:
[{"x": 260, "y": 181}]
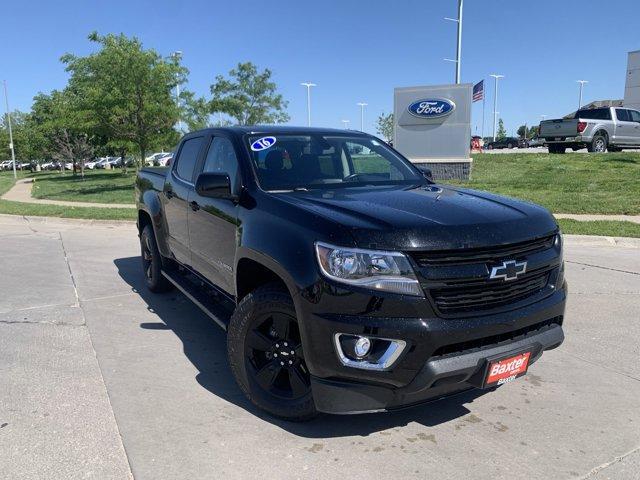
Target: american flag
[{"x": 478, "y": 91}]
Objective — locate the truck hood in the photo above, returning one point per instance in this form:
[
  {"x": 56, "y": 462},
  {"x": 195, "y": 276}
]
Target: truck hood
[{"x": 425, "y": 217}]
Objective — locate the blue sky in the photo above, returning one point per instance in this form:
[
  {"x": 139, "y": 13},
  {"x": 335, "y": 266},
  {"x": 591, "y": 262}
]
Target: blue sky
[{"x": 354, "y": 50}]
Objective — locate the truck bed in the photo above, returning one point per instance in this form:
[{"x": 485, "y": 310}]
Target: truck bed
[{"x": 155, "y": 176}]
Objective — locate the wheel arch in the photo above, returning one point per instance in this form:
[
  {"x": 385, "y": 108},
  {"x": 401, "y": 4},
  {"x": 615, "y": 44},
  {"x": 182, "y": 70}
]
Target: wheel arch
[{"x": 254, "y": 269}]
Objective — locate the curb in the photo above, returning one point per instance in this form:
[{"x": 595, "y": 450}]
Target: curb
[
  {"x": 601, "y": 241},
  {"x": 70, "y": 221}
]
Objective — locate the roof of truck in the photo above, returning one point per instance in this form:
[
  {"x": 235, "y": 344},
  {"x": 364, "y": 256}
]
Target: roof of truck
[{"x": 280, "y": 129}]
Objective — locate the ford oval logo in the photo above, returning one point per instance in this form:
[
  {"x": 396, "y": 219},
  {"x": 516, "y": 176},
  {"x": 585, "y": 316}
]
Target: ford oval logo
[{"x": 432, "y": 108}]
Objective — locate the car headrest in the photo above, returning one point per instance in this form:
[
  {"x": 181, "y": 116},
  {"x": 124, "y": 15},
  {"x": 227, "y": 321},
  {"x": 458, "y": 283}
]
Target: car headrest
[{"x": 274, "y": 160}]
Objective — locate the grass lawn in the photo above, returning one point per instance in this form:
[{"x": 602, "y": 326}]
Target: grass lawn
[
  {"x": 570, "y": 183},
  {"x": 19, "y": 208},
  {"x": 100, "y": 186}
]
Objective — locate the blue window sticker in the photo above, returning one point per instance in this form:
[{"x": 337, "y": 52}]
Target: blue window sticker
[{"x": 263, "y": 143}]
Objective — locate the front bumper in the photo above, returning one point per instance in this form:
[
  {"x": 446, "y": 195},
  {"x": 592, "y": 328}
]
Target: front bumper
[
  {"x": 443, "y": 356},
  {"x": 439, "y": 378}
]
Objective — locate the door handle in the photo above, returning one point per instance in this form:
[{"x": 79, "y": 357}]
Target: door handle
[
  {"x": 194, "y": 206},
  {"x": 168, "y": 193}
]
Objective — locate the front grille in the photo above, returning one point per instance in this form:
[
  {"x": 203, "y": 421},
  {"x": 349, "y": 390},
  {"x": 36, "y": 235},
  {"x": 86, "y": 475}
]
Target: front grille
[
  {"x": 487, "y": 295},
  {"x": 494, "y": 340},
  {"x": 485, "y": 254}
]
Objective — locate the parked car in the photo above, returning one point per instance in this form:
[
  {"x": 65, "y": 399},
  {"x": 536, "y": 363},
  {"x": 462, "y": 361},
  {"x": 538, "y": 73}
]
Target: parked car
[
  {"x": 91, "y": 164},
  {"x": 350, "y": 286},
  {"x": 596, "y": 129},
  {"x": 151, "y": 159},
  {"x": 164, "y": 161},
  {"x": 536, "y": 142},
  {"x": 5, "y": 165},
  {"x": 508, "y": 142}
]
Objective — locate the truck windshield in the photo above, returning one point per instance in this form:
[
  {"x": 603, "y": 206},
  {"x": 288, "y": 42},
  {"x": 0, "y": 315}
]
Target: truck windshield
[{"x": 287, "y": 162}]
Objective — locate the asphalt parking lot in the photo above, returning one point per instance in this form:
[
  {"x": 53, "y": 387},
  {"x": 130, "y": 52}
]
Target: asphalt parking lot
[{"x": 102, "y": 379}]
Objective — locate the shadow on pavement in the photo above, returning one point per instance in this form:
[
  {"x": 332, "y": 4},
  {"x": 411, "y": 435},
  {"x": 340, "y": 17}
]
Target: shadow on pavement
[{"x": 205, "y": 346}]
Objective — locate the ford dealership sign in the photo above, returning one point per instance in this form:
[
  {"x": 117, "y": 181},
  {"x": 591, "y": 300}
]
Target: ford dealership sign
[{"x": 431, "y": 108}]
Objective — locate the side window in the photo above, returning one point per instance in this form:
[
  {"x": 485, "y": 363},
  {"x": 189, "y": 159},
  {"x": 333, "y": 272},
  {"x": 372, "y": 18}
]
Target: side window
[
  {"x": 622, "y": 115},
  {"x": 221, "y": 158},
  {"x": 186, "y": 161},
  {"x": 635, "y": 115}
]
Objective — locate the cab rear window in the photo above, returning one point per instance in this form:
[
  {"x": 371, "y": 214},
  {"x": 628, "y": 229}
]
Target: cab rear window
[{"x": 594, "y": 114}]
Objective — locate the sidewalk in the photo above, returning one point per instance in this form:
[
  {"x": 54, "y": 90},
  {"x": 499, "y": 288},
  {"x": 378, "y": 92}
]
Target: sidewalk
[
  {"x": 588, "y": 217},
  {"x": 21, "y": 192}
]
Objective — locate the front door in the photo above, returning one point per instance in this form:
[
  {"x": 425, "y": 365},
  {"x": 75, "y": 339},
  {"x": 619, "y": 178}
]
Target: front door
[
  {"x": 213, "y": 222},
  {"x": 624, "y": 127},
  {"x": 175, "y": 196},
  {"x": 635, "y": 132}
]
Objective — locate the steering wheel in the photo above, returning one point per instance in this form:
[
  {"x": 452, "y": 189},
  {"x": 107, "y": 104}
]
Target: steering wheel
[{"x": 350, "y": 177}]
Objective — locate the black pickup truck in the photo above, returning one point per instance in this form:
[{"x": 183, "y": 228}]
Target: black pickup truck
[{"x": 353, "y": 282}]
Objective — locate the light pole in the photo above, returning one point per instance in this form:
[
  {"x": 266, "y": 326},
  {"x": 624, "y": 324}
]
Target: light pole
[
  {"x": 458, "y": 59},
  {"x": 308, "y": 85},
  {"x": 177, "y": 56},
  {"x": 581, "y": 82},
  {"x": 13, "y": 153},
  {"x": 362, "y": 105},
  {"x": 495, "y": 103},
  {"x": 543, "y": 117},
  {"x": 345, "y": 123}
]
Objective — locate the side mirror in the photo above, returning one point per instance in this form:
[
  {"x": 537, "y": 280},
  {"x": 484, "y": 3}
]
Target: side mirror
[
  {"x": 426, "y": 172},
  {"x": 214, "y": 185}
]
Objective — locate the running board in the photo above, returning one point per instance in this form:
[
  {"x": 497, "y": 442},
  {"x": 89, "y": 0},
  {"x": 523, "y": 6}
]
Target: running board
[{"x": 197, "y": 295}]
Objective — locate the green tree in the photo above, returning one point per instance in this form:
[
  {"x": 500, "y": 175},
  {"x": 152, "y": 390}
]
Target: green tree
[
  {"x": 248, "y": 96},
  {"x": 124, "y": 94},
  {"x": 522, "y": 131},
  {"x": 194, "y": 111},
  {"x": 501, "y": 133},
  {"x": 384, "y": 126}
]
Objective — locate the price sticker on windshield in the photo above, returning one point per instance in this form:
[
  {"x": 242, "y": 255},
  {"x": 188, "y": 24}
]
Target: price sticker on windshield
[{"x": 263, "y": 143}]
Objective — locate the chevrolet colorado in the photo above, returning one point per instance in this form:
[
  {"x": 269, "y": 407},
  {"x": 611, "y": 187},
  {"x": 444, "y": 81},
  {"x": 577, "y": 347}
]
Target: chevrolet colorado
[{"x": 354, "y": 282}]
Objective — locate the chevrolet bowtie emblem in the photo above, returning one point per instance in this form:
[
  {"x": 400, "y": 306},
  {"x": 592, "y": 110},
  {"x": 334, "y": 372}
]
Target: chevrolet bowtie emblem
[{"x": 509, "y": 270}]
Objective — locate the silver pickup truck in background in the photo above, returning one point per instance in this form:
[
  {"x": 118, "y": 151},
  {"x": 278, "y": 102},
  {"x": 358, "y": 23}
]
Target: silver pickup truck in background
[{"x": 596, "y": 129}]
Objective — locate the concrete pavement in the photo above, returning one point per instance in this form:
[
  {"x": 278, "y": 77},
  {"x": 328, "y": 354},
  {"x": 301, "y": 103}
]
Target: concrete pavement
[{"x": 101, "y": 379}]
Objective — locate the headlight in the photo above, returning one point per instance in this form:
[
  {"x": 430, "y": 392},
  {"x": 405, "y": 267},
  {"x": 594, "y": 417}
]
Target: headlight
[{"x": 377, "y": 270}]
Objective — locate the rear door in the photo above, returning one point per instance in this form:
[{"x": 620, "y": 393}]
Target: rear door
[
  {"x": 175, "y": 196},
  {"x": 213, "y": 222},
  {"x": 624, "y": 127},
  {"x": 635, "y": 132}
]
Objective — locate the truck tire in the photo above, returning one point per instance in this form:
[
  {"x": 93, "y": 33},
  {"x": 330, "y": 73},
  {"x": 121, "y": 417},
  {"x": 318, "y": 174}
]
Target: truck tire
[
  {"x": 152, "y": 262},
  {"x": 599, "y": 143},
  {"x": 265, "y": 354},
  {"x": 509, "y": 145}
]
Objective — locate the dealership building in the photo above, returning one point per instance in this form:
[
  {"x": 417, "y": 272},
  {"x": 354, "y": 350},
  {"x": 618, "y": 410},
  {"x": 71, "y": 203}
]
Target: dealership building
[{"x": 632, "y": 84}]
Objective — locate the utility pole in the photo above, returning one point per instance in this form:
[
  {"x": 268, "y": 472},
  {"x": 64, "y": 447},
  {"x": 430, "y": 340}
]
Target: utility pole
[
  {"x": 345, "y": 124},
  {"x": 458, "y": 59},
  {"x": 308, "y": 85},
  {"x": 495, "y": 103},
  {"x": 13, "y": 153},
  {"x": 362, "y": 105},
  {"x": 581, "y": 82},
  {"x": 177, "y": 56}
]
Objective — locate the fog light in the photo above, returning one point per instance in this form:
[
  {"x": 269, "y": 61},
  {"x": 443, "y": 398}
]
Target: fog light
[
  {"x": 367, "y": 353},
  {"x": 362, "y": 347}
]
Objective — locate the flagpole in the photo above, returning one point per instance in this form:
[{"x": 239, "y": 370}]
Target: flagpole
[{"x": 483, "y": 98}]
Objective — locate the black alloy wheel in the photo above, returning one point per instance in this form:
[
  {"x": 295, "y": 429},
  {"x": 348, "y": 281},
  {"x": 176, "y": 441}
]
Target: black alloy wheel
[{"x": 273, "y": 354}]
